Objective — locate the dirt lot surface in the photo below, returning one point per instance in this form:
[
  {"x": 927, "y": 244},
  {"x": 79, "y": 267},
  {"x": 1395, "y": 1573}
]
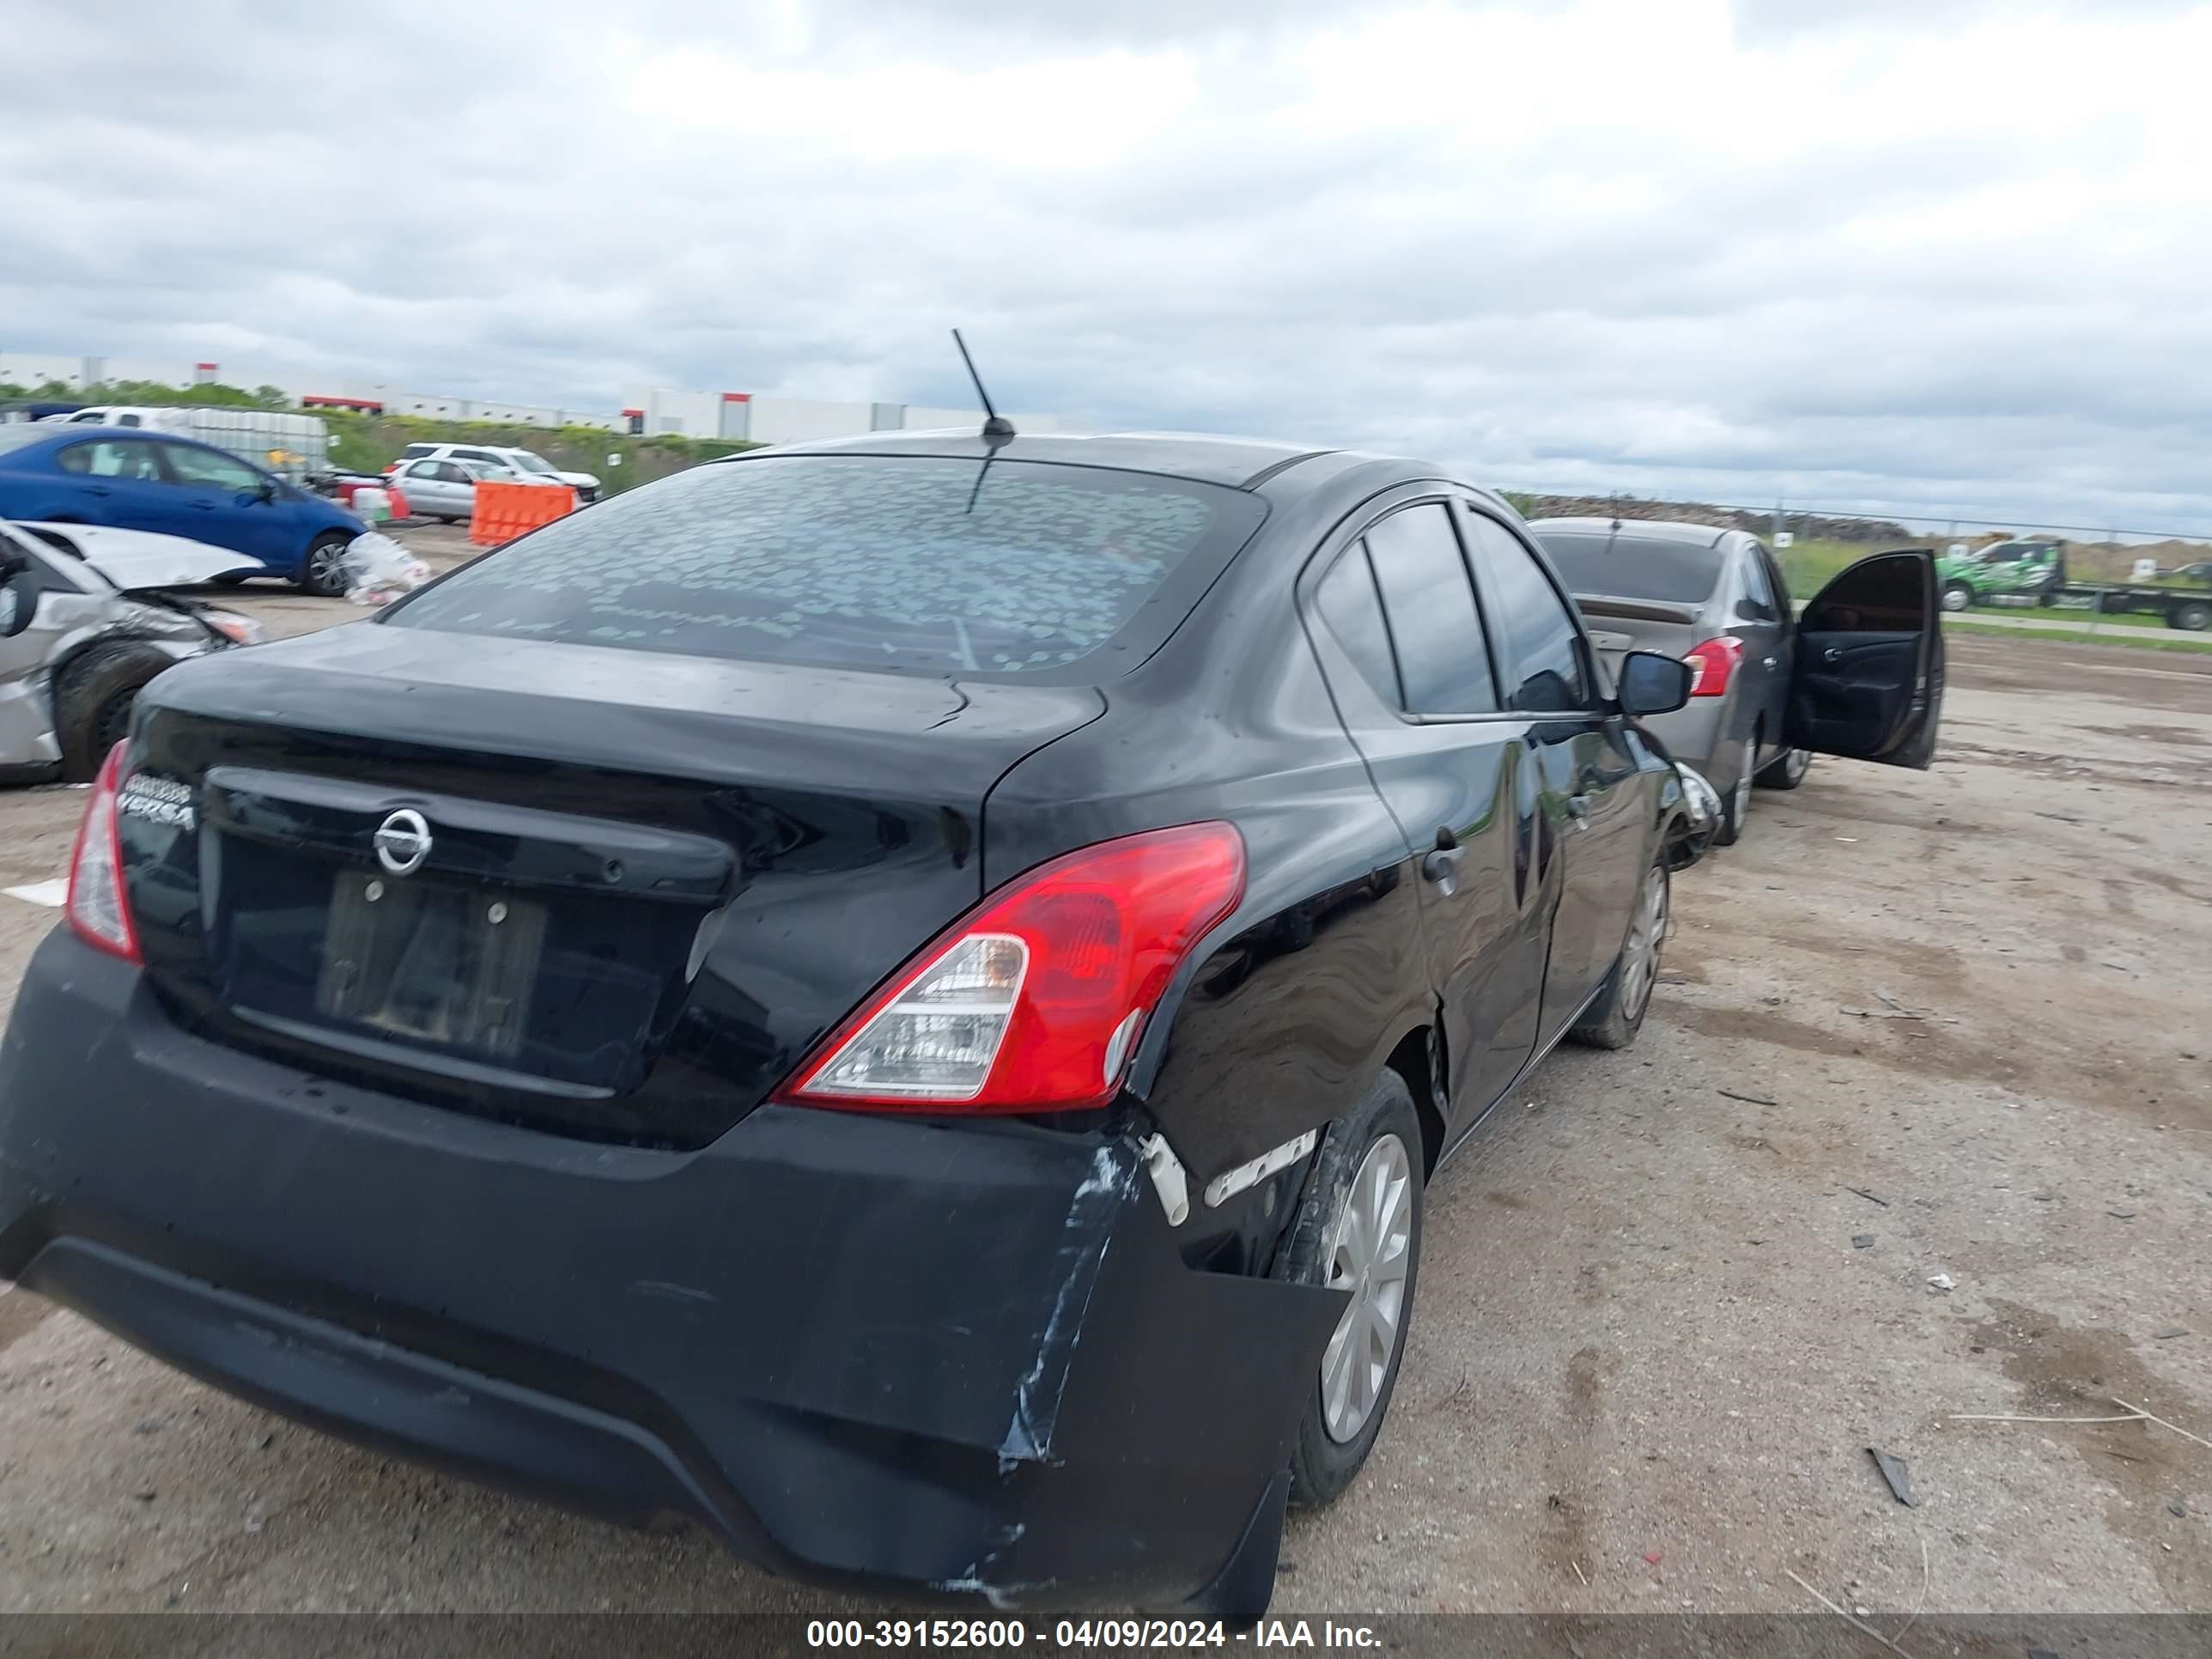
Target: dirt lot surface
[{"x": 1659, "y": 1324}]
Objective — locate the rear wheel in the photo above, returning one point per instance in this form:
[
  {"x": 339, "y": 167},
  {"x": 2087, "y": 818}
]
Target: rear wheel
[
  {"x": 323, "y": 570},
  {"x": 1786, "y": 770},
  {"x": 1358, "y": 1231},
  {"x": 2195, "y": 617},
  {"x": 1957, "y": 596},
  {"x": 94, "y": 700},
  {"x": 1613, "y": 1020}
]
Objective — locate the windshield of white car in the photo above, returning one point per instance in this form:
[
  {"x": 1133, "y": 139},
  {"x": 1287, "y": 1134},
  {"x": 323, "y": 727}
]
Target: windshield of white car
[{"x": 529, "y": 463}]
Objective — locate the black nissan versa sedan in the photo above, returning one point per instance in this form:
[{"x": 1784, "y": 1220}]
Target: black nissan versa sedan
[{"x": 894, "y": 998}]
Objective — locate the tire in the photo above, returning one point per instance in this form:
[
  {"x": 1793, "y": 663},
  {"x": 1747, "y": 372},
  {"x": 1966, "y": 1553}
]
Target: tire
[
  {"x": 93, "y": 700},
  {"x": 1736, "y": 805},
  {"x": 1786, "y": 770},
  {"x": 322, "y": 568},
  {"x": 1381, "y": 1139},
  {"x": 1613, "y": 1020},
  {"x": 1957, "y": 596},
  {"x": 2193, "y": 617}
]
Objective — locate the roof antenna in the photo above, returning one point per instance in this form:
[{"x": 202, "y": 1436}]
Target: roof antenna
[{"x": 995, "y": 425}]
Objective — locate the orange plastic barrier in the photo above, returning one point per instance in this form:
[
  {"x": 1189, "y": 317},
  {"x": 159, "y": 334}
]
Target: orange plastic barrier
[{"x": 504, "y": 511}]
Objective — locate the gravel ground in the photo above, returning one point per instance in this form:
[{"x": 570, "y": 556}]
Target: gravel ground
[{"x": 1659, "y": 1324}]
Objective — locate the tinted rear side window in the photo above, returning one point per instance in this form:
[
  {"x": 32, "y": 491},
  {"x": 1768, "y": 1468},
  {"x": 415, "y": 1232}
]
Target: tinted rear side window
[
  {"x": 1624, "y": 567},
  {"x": 1348, "y": 604},
  {"x": 1534, "y": 625},
  {"x": 919, "y": 564},
  {"x": 1442, "y": 657}
]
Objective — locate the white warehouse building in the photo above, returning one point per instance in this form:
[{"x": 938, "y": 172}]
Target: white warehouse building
[{"x": 762, "y": 418}]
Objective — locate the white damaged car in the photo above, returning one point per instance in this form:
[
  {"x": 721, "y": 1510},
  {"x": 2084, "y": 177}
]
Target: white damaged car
[{"x": 83, "y": 625}]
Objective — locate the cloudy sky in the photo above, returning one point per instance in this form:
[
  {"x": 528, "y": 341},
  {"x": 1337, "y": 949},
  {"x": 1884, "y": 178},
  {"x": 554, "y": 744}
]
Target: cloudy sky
[{"x": 1951, "y": 254}]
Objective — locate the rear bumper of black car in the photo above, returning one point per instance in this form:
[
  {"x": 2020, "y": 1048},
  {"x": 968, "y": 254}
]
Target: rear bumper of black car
[{"x": 957, "y": 1360}]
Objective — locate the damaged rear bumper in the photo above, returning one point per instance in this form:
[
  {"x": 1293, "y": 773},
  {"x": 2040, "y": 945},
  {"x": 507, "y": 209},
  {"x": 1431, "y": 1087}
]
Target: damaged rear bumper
[{"x": 936, "y": 1359}]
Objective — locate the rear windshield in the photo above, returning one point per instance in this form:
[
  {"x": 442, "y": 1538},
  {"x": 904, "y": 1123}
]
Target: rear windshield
[
  {"x": 1625, "y": 568},
  {"x": 921, "y": 564}
]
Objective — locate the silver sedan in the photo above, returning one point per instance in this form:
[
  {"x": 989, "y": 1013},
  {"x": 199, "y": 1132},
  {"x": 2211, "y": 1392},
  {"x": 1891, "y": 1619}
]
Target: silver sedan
[{"x": 445, "y": 489}]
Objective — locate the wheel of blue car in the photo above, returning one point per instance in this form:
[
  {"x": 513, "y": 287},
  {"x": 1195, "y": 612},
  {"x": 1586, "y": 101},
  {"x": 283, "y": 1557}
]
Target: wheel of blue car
[
  {"x": 323, "y": 570},
  {"x": 95, "y": 698},
  {"x": 1358, "y": 1230}
]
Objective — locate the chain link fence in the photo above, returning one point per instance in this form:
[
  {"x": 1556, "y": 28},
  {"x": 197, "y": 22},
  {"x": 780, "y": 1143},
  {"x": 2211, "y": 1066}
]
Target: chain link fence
[{"x": 2070, "y": 576}]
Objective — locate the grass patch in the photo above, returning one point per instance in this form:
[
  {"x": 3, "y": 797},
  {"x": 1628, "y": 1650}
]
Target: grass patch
[
  {"x": 2071, "y": 613},
  {"x": 2161, "y": 639},
  {"x": 1807, "y": 566}
]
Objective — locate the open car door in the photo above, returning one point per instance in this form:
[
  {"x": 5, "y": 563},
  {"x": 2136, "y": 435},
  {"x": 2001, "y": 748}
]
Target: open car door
[{"x": 1867, "y": 682}]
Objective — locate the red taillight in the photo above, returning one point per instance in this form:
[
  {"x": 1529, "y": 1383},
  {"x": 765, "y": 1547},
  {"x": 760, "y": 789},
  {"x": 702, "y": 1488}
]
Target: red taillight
[
  {"x": 1033, "y": 1002},
  {"x": 98, "y": 907},
  {"x": 1712, "y": 664}
]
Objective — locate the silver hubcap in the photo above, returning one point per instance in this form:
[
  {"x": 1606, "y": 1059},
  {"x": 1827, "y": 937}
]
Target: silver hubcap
[
  {"x": 1796, "y": 763},
  {"x": 1374, "y": 1243},
  {"x": 1647, "y": 934},
  {"x": 1739, "y": 808}
]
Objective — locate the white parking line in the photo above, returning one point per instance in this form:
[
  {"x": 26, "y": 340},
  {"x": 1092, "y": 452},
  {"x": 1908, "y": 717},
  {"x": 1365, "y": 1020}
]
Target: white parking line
[{"x": 52, "y": 894}]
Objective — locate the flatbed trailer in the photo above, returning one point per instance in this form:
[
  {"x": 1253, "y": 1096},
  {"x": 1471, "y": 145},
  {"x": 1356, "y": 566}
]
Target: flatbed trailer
[{"x": 2033, "y": 573}]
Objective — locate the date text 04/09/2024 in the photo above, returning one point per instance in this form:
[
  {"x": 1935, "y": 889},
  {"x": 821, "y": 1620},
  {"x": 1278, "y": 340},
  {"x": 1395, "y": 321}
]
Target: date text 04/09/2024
[{"x": 1086, "y": 1633}]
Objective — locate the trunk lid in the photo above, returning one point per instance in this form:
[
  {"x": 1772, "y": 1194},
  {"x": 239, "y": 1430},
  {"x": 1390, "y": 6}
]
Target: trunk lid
[
  {"x": 609, "y": 893},
  {"x": 1618, "y": 627}
]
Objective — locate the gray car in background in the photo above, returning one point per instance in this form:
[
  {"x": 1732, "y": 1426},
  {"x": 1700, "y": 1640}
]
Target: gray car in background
[{"x": 1715, "y": 598}]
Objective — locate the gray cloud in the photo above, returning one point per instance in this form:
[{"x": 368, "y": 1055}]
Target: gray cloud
[{"x": 1793, "y": 248}]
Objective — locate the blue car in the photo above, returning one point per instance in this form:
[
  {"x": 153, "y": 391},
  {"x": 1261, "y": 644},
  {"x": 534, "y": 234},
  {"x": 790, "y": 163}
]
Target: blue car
[{"x": 137, "y": 480}]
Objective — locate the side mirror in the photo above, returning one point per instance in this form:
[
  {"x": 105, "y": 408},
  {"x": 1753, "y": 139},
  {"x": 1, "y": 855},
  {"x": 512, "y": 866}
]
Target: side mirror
[
  {"x": 266, "y": 490},
  {"x": 1653, "y": 684}
]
